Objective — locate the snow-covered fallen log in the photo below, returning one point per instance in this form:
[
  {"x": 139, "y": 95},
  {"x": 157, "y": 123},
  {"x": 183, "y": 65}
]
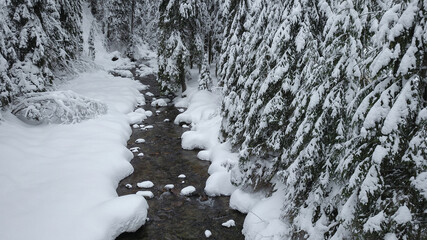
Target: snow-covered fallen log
[{"x": 57, "y": 107}]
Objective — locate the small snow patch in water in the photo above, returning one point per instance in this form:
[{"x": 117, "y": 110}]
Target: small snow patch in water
[
  {"x": 187, "y": 191},
  {"x": 181, "y": 176},
  {"x": 145, "y": 184},
  {"x": 149, "y": 127},
  {"x": 208, "y": 233},
  {"x": 150, "y": 94},
  {"x": 229, "y": 223},
  {"x": 128, "y": 186},
  {"x": 166, "y": 120},
  {"x": 181, "y": 110},
  {"x": 140, "y": 154},
  {"x": 148, "y": 194},
  {"x": 169, "y": 186},
  {"x": 185, "y": 126},
  {"x": 140, "y": 140},
  {"x": 135, "y": 126}
]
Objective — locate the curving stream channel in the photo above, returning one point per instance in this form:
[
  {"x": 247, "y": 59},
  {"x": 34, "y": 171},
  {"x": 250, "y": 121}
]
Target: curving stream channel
[{"x": 172, "y": 216}]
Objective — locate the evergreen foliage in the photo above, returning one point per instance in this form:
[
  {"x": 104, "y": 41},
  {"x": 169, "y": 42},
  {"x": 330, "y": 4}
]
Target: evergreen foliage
[
  {"x": 37, "y": 38},
  {"x": 181, "y": 40},
  {"x": 329, "y": 98},
  {"x": 205, "y": 80}
]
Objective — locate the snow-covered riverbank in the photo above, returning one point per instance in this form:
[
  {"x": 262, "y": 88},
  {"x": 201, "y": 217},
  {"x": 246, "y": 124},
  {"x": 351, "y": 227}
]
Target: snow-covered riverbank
[
  {"x": 59, "y": 181},
  {"x": 203, "y": 113}
]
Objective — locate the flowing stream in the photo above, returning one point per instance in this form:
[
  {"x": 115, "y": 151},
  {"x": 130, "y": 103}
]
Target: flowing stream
[{"x": 172, "y": 216}]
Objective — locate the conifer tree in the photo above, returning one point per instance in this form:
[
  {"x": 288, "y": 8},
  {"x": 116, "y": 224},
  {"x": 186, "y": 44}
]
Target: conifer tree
[
  {"x": 205, "y": 80},
  {"x": 327, "y": 96}
]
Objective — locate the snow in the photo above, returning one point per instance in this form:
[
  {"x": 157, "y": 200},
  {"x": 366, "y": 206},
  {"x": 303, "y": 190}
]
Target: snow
[
  {"x": 166, "y": 120},
  {"x": 208, "y": 233},
  {"x": 181, "y": 176},
  {"x": 144, "y": 70},
  {"x": 45, "y": 170},
  {"x": 162, "y": 102},
  {"x": 229, "y": 223},
  {"x": 140, "y": 154},
  {"x": 374, "y": 223},
  {"x": 128, "y": 186},
  {"x": 187, "y": 191},
  {"x": 264, "y": 219},
  {"x": 219, "y": 184},
  {"x": 243, "y": 201},
  {"x": 149, "y": 94},
  {"x": 145, "y": 184},
  {"x": 403, "y": 215},
  {"x": 420, "y": 183},
  {"x": 122, "y": 73},
  {"x": 147, "y": 194},
  {"x": 134, "y": 149},
  {"x": 140, "y": 140},
  {"x": 169, "y": 186}
]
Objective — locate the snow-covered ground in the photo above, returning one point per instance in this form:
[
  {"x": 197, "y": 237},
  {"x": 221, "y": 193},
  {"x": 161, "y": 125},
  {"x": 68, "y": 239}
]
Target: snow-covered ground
[
  {"x": 263, "y": 220},
  {"x": 59, "y": 181}
]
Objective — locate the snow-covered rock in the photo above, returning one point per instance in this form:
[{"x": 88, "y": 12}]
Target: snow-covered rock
[
  {"x": 229, "y": 223},
  {"x": 187, "y": 191},
  {"x": 145, "y": 184},
  {"x": 147, "y": 194},
  {"x": 208, "y": 233}
]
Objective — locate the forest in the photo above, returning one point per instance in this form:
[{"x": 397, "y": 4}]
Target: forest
[{"x": 324, "y": 102}]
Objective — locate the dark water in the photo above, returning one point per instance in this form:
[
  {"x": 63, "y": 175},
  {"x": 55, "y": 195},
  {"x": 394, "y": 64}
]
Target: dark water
[{"x": 172, "y": 216}]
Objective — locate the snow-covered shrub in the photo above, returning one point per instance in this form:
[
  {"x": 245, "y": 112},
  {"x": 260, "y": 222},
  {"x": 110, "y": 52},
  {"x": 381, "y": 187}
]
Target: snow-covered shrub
[{"x": 57, "y": 107}]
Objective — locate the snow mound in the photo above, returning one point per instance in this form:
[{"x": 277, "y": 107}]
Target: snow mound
[
  {"x": 136, "y": 117},
  {"x": 147, "y": 194},
  {"x": 187, "y": 191},
  {"x": 145, "y": 184},
  {"x": 208, "y": 233},
  {"x": 219, "y": 184},
  {"x": 121, "y": 73},
  {"x": 144, "y": 70},
  {"x": 140, "y": 140},
  {"x": 123, "y": 214},
  {"x": 243, "y": 201},
  {"x": 162, "y": 102},
  {"x": 181, "y": 176},
  {"x": 169, "y": 186},
  {"x": 57, "y": 107},
  {"x": 229, "y": 223}
]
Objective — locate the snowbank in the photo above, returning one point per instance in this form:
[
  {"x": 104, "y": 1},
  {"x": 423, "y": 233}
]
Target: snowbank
[{"x": 59, "y": 181}]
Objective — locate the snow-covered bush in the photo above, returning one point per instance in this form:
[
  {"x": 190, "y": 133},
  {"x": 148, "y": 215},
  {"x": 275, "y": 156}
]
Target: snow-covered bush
[{"x": 57, "y": 107}]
